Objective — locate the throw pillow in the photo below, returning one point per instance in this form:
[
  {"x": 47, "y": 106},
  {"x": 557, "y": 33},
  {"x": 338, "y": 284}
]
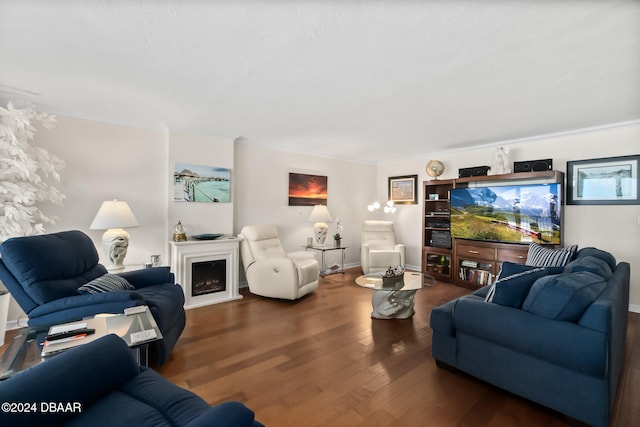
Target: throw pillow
[
  {"x": 540, "y": 256},
  {"x": 106, "y": 283},
  {"x": 598, "y": 253},
  {"x": 564, "y": 296},
  {"x": 590, "y": 263},
  {"x": 512, "y": 290},
  {"x": 510, "y": 268}
]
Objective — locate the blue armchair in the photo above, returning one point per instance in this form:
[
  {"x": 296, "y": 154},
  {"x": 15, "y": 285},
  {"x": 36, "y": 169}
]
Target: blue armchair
[
  {"x": 43, "y": 274},
  {"x": 100, "y": 384}
]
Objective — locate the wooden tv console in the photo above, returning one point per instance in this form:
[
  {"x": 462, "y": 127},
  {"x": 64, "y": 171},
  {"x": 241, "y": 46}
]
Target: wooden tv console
[{"x": 468, "y": 263}]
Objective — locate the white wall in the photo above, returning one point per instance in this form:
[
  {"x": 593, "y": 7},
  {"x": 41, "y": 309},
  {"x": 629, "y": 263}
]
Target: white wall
[
  {"x": 205, "y": 150},
  {"x": 108, "y": 161},
  {"x": 613, "y": 228},
  {"x": 103, "y": 162},
  {"x": 261, "y": 194}
]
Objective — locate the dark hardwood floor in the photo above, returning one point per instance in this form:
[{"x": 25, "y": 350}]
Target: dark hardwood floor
[{"x": 322, "y": 361}]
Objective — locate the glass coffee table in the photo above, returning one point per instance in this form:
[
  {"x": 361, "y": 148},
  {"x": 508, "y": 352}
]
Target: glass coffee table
[
  {"x": 395, "y": 298},
  {"x": 136, "y": 329}
]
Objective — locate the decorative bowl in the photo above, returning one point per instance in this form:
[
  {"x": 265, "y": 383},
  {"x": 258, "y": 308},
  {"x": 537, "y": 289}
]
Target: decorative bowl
[{"x": 206, "y": 236}]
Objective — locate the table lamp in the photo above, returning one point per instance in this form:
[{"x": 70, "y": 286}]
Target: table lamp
[
  {"x": 114, "y": 216},
  {"x": 320, "y": 216}
]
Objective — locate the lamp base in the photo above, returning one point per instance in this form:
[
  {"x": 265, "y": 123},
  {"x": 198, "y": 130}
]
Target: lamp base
[
  {"x": 319, "y": 233},
  {"x": 115, "y": 242},
  {"x": 112, "y": 268}
]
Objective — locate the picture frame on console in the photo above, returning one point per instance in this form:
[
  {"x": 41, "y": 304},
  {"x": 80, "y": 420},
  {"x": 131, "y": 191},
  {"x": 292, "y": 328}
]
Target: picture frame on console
[
  {"x": 403, "y": 189},
  {"x": 604, "y": 181}
]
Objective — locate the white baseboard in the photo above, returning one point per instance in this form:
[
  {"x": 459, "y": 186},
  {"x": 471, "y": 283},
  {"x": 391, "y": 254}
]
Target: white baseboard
[
  {"x": 634, "y": 308},
  {"x": 13, "y": 324}
]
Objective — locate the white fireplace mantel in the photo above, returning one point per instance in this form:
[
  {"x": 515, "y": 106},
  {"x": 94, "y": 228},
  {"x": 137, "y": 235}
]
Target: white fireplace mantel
[{"x": 185, "y": 254}]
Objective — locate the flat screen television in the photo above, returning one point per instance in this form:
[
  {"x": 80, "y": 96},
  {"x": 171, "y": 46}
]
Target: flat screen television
[{"x": 510, "y": 213}]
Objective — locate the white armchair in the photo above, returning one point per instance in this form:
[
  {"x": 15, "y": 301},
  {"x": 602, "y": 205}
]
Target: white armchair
[
  {"x": 270, "y": 271},
  {"x": 379, "y": 249}
]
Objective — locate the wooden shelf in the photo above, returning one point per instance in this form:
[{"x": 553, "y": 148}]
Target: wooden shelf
[
  {"x": 557, "y": 176},
  {"x": 437, "y": 260},
  {"x": 449, "y": 268},
  {"x": 478, "y": 263}
]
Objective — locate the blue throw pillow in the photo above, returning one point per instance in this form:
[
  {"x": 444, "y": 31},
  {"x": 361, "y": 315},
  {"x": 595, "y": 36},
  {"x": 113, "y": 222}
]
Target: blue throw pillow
[
  {"x": 510, "y": 268},
  {"x": 106, "y": 283},
  {"x": 541, "y": 256},
  {"x": 564, "y": 296},
  {"x": 514, "y": 282}
]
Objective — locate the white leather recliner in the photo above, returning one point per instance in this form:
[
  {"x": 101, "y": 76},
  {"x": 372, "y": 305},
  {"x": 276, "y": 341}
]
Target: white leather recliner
[
  {"x": 379, "y": 249},
  {"x": 270, "y": 271}
]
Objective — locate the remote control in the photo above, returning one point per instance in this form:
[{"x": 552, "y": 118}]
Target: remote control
[{"x": 69, "y": 334}]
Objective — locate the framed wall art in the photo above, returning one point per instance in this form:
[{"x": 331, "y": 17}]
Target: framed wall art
[
  {"x": 307, "y": 190},
  {"x": 605, "y": 181},
  {"x": 201, "y": 184},
  {"x": 403, "y": 189}
]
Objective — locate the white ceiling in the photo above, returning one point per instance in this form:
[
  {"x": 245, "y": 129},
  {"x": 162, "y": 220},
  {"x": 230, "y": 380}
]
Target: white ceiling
[{"x": 372, "y": 81}]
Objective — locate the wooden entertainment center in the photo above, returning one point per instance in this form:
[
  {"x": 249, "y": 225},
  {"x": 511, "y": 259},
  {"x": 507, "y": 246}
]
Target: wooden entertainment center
[{"x": 468, "y": 263}]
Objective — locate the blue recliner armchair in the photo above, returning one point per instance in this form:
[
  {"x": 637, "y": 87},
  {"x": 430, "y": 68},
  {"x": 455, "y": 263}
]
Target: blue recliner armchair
[
  {"x": 100, "y": 384},
  {"x": 43, "y": 274}
]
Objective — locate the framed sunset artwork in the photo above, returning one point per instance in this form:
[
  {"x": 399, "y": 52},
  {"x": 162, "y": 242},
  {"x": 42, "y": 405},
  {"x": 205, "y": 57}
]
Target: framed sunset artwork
[{"x": 307, "y": 190}]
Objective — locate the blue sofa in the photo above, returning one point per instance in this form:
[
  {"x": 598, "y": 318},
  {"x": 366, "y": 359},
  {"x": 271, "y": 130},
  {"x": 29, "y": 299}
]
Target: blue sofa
[
  {"x": 554, "y": 337},
  {"x": 100, "y": 384},
  {"x": 44, "y": 274}
]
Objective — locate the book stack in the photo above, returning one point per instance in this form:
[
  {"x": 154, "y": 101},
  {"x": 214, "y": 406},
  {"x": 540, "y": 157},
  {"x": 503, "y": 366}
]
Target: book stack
[
  {"x": 470, "y": 272},
  {"x": 69, "y": 335}
]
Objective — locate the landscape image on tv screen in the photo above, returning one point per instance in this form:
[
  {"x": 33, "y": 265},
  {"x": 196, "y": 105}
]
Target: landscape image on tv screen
[{"x": 512, "y": 213}]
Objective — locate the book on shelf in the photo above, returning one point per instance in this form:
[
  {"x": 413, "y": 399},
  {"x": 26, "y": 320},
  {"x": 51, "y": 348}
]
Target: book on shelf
[{"x": 480, "y": 277}]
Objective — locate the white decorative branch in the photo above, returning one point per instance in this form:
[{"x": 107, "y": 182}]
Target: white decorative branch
[{"x": 25, "y": 173}]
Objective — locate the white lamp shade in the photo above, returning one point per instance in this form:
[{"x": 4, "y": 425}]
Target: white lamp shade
[
  {"x": 320, "y": 213},
  {"x": 114, "y": 214}
]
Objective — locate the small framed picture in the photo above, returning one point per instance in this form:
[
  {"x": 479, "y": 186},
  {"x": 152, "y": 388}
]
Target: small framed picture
[
  {"x": 606, "y": 181},
  {"x": 433, "y": 197},
  {"x": 403, "y": 189}
]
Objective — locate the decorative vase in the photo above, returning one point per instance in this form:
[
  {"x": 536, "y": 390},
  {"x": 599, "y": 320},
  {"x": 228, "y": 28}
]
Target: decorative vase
[{"x": 337, "y": 242}]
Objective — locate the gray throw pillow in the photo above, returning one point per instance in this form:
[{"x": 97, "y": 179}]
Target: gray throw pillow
[{"x": 106, "y": 283}]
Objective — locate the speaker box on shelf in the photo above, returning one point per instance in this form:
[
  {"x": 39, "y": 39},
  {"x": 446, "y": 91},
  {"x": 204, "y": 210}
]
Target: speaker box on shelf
[
  {"x": 533, "y": 166},
  {"x": 438, "y": 223},
  {"x": 473, "y": 171},
  {"x": 441, "y": 239}
]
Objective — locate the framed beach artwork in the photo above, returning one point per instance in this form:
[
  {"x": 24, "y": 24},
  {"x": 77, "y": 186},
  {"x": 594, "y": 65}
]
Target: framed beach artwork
[
  {"x": 403, "y": 189},
  {"x": 606, "y": 181},
  {"x": 201, "y": 184},
  {"x": 307, "y": 190}
]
